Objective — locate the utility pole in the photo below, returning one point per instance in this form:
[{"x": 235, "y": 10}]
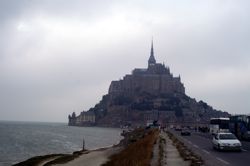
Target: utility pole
[{"x": 83, "y": 144}]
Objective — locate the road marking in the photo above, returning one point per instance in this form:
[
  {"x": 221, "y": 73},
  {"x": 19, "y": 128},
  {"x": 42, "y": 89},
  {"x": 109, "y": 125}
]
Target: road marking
[
  {"x": 207, "y": 152},
  {"x": 244, "y": 150},
  {"x": 195, "y": 146},
  {"x": 223, "y": 161}
]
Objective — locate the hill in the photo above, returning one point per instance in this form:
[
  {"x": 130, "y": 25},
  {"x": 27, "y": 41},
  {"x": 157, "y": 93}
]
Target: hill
[{"x": 144, "y": 96}]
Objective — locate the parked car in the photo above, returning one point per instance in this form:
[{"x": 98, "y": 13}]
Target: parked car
[
  {"x": 185, "y": 133},
  {"x": 178, "y": 129},
  {"x": 226, "y": 141}
]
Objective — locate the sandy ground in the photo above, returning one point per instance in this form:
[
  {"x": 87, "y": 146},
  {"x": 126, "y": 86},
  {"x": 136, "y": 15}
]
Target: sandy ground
[{"x": 94, "y": 158}]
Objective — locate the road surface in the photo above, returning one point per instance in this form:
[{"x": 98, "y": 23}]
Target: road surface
[{"x": 201, "y": 143}]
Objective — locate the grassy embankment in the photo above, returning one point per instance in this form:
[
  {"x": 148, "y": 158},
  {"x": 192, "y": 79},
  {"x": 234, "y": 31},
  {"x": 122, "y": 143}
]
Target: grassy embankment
[
  {"x": 162, "y": 144},
  {"x": 138, "y": 153},
  {"x": 186, "y": 153},
  {"x": 57, "y": 159}
]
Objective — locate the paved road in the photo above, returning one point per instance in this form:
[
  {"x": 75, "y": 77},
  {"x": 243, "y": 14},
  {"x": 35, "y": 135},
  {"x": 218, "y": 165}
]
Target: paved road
[{"x": 201, "y": 144}]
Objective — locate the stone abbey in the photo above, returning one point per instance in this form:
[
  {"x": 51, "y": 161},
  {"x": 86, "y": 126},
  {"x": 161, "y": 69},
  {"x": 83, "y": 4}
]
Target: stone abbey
[
  {"x": 155, "y": 79},
  {"x": 146, "y": 95}
]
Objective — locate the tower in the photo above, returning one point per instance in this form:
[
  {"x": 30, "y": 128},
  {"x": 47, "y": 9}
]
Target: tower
[{"x": 151, "y": 60}]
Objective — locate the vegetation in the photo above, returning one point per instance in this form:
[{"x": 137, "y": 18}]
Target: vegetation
[
  {"x": 56, "y": 159},
  {"x": 178, "y": 112},
  {"x": 162, "y": 143},
  {"x": 185, "y": 153},
  {"x": 122, "y": 100},
  {"x": 138, "y": 153},
  {"x": 144, "y": 105},
  {"x": 36, "y": 160},
  {"x": 63, "y": 159}
]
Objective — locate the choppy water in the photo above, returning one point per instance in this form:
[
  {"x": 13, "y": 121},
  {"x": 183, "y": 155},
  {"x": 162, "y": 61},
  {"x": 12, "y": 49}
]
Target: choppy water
[{"x": 20, "y": 140}]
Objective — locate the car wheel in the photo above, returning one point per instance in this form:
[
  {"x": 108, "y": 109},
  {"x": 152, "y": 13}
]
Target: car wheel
[{"x": 218, "y": 147}]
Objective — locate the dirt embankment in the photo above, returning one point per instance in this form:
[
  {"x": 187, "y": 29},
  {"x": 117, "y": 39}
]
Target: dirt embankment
[{"x": 138, "y": 152}]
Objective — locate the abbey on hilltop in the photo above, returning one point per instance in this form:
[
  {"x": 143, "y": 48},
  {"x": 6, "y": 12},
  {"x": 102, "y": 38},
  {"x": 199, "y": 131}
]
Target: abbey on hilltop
[
  {"x": 156, "y": 79},
  {"x": 144, "y": 96}
]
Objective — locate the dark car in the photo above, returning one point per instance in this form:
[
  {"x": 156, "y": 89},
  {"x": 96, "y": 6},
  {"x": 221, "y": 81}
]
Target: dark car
[
  {"x": 185, "y": 133},
  {"x": 178, "y": 129}
]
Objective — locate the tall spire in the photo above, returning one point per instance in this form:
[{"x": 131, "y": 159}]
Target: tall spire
[
  {"x": 152, "y": 49},
  {"x": 151, "y": 60}
]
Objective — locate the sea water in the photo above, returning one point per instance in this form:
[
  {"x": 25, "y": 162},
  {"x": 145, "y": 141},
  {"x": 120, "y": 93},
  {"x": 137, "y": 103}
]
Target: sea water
[{"x": 22, "y": 140}]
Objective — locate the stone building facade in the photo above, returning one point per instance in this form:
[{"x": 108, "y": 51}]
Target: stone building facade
[
  {"x": 84, "y": 119},
  {"x": 155, "y": 79}
]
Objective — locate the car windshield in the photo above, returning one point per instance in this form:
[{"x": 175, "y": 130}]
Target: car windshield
[{"x": 227, "y": 136}]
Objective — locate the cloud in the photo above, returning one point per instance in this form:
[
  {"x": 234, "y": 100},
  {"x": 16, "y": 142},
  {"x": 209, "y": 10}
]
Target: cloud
[{"x": 59, "y": 56}]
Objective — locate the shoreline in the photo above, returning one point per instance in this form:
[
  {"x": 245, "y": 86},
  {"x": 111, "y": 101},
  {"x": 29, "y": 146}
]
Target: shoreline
[
  {"x": 101, "y": 156},
  {"x": 65, "y": 158},
  {"x": 40, "y": 160},
  {"x": 29, "y": 140}
]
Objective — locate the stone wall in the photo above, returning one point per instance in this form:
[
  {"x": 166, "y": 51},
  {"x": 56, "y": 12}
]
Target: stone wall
[{"x": 151, "y": 83}]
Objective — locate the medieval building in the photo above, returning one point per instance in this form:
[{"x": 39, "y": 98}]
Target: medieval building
[
  {"x": 147, "y": 94},
  {"x": 155, "y": 79},
  {"x": 84, "y": 119}
]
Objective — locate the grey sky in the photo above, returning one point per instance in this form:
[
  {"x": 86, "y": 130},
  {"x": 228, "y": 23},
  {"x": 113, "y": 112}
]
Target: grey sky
[{"x": 59, "y": 56}]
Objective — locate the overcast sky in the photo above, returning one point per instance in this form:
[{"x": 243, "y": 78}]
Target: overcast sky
[{"x": 59, "y": 56}]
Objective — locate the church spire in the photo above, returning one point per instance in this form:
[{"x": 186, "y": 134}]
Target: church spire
[
  {"x": 152, "y": 49},
  {"x": 151, "y": 60}
]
